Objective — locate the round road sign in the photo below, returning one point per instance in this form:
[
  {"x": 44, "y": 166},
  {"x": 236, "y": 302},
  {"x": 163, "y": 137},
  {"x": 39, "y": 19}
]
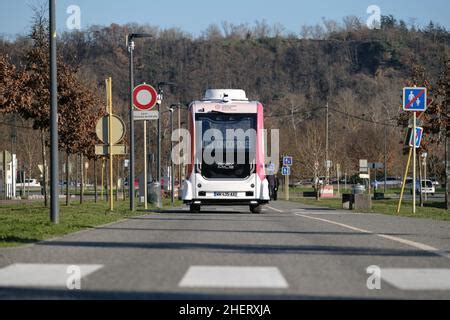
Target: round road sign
[
  {"x": 118, "y": 129},
  {"x": 144, "y": 97}
]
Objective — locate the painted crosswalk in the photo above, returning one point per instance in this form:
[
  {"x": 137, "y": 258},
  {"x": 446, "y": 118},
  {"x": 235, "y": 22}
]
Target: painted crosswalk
[
  {"x": 233, "y": 277},
  {"x": 418, "y": 279},
  {"x": 44, "y": 275}
]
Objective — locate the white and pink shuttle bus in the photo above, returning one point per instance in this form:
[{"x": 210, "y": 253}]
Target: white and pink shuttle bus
[{"x": 227, "y": 152}]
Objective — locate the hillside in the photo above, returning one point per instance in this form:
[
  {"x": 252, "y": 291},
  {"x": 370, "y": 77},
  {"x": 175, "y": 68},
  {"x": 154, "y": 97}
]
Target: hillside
[{"x": 359, "y": 72}]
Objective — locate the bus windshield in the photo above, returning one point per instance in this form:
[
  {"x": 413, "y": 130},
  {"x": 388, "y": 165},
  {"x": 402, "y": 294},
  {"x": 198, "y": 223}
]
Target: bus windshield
[{"x": 235, "y": 137}]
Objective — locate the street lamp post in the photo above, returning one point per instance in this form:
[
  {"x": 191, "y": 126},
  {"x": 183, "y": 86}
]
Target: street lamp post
[
  {"x": 54, "y": 174},
  {"x": 131, "y": 47}
]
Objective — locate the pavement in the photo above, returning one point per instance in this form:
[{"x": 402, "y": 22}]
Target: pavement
[{"x": 290, "y": 252}]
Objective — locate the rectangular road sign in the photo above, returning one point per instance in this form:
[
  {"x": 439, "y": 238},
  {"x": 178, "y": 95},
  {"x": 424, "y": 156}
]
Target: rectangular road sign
[
  {"x": 286, "y": 171},
  {"x": 146, "y": 115},
  {"x": 288, "y": 161},
  {"x": 415, "y": 99},
  {"x": 419, "y": 136},
  {"x": 363, "y": 166},
  {"x": 103, "y": 150}
]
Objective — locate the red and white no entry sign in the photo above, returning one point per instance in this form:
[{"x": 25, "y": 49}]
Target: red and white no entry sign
[{"x": 144, "y": 97}]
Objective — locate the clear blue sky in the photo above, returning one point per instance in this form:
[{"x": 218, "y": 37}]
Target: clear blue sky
[{"x": 194, "y": 16}]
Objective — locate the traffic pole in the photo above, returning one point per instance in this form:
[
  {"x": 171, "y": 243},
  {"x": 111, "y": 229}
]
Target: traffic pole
[
  {"x": 145, "y": 168},
  {"x": 414, "y": 160},
  {"x": 111, "y": 173},
  {"x": 54, "y": 200},
  {"x": 404, "y": 181},
  {"x": 287, "y": 187},
  {"x": 158, "y": 162}
]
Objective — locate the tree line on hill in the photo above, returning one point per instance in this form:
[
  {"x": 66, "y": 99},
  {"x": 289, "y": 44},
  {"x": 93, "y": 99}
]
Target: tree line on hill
[{"x": 358, "y": 72}]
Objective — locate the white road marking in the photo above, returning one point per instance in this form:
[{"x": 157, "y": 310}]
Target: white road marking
[
  {"x": 416, "y": 245},
  {"x": 234, "y": 277},
  {"x": 319, "y": 213},
  {"x": 41, "y": 275},
  {"x": 276, "y": 210},
  {"x": 417, "y": 279}
]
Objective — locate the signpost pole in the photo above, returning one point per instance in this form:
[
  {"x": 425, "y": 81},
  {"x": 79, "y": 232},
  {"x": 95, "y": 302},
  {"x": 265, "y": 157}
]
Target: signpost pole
[
  {"x": 145, "y": 167},
  {"x": 286, "y": 179},
  {"x": 110, "y": 142},
  {"x": 414, "y": 161},
  {"x": 404, "y": 181}
]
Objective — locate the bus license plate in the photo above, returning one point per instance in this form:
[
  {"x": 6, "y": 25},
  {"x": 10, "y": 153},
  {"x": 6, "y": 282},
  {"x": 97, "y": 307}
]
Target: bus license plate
[{"x": 225, "y": 194}]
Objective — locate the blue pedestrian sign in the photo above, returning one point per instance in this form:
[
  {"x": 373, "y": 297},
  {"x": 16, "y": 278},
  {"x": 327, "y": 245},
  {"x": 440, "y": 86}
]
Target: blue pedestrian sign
[
  {"x": 288, "y": 161},
  {"x": 286, "y": 171},
  {"x": 419, "y": 136},
  {"x": 415, "y": 99}
]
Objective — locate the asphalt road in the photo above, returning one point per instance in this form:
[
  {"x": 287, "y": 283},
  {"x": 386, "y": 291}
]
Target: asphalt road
[{"x": 291, "y": 251}]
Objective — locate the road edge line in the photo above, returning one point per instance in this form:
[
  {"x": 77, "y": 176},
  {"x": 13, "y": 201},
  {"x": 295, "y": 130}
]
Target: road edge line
[{"x": 414, "y": 244}]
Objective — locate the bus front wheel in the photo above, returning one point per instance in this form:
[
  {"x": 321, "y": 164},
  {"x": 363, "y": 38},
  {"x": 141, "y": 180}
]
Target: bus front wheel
[
  {"x": 256, "y": 208},
  {"x": 195, "y": 208}
]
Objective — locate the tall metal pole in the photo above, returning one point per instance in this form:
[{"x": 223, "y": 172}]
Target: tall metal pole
[
  {"x": 110, "y": 143},
  {"x": 158, "y": 174},
  {"x": 145, "y": 168},
  {"x": 132, "y": 158},
  {"x": 414, "y": 160},
  {"x": 54, "y": 210}
]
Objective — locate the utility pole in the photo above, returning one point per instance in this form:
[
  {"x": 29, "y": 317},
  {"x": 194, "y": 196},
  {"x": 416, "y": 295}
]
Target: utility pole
[
  {"x": 414, "y": 160},
  {"x": 54, "y": 176}
]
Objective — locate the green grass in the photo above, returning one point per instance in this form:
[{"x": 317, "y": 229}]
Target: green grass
[
  {"x": 28, "y": 223},
  {"x": 431, "y": 210}
]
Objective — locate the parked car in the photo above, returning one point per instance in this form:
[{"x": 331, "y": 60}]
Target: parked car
[
  {"x": 29, "y": 183},
  {"x": 427, "y": 187}
]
